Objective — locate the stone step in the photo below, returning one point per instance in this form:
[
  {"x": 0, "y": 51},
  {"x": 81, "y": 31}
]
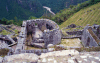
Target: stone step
[{"x": 39, "y": 45}]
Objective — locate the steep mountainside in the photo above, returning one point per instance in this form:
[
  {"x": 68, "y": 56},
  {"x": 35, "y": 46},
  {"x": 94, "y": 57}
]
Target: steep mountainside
[
  {"x": 57, "y": 5},
  {"x": 23, "y": 9},
  {"x": 89, "y": 15}
]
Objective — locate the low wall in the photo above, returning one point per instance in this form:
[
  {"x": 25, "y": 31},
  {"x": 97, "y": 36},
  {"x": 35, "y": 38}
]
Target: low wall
[
  {"x": 80, "y": 32},
  {"x": 21, "y": 39}
]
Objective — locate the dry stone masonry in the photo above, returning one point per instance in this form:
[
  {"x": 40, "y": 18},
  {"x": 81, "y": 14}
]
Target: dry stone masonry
[
  {"x": 22, "y": 39},
  {"x": 41, "y": 31},
  {"x": 91, "y": 35}
]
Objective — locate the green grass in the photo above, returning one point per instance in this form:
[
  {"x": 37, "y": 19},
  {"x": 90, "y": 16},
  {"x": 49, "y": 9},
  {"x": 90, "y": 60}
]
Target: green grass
[
  {"x": 89, "y": 15},
  {"x": 16, "y": 31},
  {"x": 88, "y": 49},
  {"x": 4, "y": 32},
  {"x": 71, "y": 42}
]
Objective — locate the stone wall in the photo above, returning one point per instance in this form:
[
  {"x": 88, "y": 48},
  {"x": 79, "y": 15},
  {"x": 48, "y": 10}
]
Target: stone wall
[
  {"x": 50, "y": 29},
  {"x": 80, "y": 32},
  {"x": 52, "y": 37},
  {"x": 87, "y": 39},
  {"x": 37, "y": 51},
  {"x": 21, "y": 39}
]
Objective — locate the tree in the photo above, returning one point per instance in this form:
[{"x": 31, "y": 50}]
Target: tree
[
  {"x": 4, "y": 21},
  {"x": 10, "y": 21},
  {"x": 32, "y": 17},
  {"x": 71, "y": 6},
  {"x": 15, "y": 19}
]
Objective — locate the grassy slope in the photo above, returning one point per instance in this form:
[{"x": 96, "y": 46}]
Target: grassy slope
[{"x": 89, "y": 15}]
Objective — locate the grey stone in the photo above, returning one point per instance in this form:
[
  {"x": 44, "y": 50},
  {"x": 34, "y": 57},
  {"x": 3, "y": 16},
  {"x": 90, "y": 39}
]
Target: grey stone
[
  {"x": 3, "y": 45},
  {"x": 39, "y": 45},
  {"x": 87, "y": 39},
  {"x": 1, "y": 59},
  {"x": 50, "y": 49},
  {"x": 50, "y": 45}
]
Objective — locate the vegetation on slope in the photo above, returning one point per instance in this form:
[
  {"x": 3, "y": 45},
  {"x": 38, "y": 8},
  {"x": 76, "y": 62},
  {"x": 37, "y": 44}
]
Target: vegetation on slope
[
  {"x": 88, "y": 15},
  {"x": 57, "y": 5},
  {"x": 22, "y": 9},
  {"x": 65, "y": 14}
]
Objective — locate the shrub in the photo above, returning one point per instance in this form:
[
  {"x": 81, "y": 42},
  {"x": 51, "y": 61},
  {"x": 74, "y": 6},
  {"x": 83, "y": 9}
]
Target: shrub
[{"x": 4, "y": 32}]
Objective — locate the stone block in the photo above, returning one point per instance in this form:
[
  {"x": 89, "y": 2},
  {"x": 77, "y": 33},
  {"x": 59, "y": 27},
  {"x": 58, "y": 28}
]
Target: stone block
[{"x": 1, "y": 59}]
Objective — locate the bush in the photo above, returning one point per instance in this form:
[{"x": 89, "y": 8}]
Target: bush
[
  {"x": 4, "y": 32},
  {"x": 16, "y": 31}
]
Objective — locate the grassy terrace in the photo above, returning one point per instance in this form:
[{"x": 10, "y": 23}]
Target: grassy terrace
[
  {"x": 94, "y": 36},
  {"x": 89, "y": 15},
  {"x": 71, "y": 42}
]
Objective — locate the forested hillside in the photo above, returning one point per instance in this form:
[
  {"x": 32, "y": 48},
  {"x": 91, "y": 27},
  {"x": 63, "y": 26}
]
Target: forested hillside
[
  {"x": 65, "y": 14},
  {"x": 57, "y": 5},
  {"x": 23, "y": 9},
  {"x": 89, "y": 15}
]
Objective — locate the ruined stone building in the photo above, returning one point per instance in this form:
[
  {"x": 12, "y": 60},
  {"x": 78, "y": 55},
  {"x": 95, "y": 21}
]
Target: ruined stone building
[
  {"x": 42, "y": 32},
  {"x": 91, "y": 36}
]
